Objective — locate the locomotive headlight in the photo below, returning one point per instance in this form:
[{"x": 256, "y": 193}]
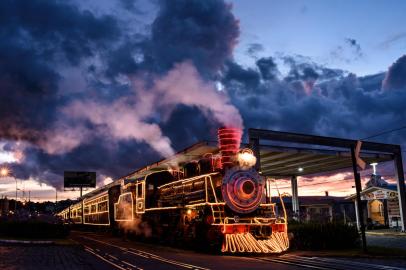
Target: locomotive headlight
[{"x": 246, "y": 158}]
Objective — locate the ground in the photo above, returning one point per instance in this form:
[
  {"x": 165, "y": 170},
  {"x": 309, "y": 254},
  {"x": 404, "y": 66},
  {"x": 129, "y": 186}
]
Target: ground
[
  {"x": 88, "y": 250},
  {"x": 54, "y": 257},
  {"x": 386, "y": 240}
]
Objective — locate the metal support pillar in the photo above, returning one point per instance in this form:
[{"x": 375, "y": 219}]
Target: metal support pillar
[
  {"x": 385, "y": 211},
  {"x": 15, "y": 203},
  {"x": 357, "y": 179},
  {"x": 357, "y": 215},
  {"x": 401, "y": 187},
  {"x": 295, "y": 198}
]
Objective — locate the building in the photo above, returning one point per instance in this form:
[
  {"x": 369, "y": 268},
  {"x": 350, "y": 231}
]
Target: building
[
  {"x": 4, "y": 206},
  {"x": 380, "y": 203},
  {"x": 322, "y": 209}
]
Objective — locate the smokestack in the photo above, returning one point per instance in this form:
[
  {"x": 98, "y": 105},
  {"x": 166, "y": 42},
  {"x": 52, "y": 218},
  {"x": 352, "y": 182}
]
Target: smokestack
[
  {"x": 229, "y": 143},
  {"x": 326, "y": 192}
]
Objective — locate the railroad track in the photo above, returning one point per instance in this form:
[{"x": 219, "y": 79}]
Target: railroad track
[
  {"x": 119, "y": 263},
  {"x": 326, "y": 263}
]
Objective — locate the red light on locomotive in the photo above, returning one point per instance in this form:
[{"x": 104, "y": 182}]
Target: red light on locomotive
[{"x": 229, "y": 144}]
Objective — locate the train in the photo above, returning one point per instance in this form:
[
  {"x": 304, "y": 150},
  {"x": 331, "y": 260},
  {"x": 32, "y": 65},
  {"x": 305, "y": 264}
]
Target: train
[{"x": 217, "y": 200}]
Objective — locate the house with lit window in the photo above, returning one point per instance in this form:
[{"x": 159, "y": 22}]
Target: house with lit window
[
  {"x": 380, "y": 203},
  {"x": 322, "y": 209}
]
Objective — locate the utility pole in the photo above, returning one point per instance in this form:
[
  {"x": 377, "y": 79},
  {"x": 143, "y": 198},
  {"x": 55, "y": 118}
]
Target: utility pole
[
  {"x": 357, "y": 179},
  {"x": 15, "y": 203}
]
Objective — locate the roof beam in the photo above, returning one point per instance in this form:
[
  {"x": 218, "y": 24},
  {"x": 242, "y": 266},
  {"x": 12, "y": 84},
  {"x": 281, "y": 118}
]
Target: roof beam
[{"x": 319, "y": 140}]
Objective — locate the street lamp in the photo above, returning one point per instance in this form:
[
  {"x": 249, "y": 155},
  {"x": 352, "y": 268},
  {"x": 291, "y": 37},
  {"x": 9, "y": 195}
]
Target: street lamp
[{"x": 6, "y": 172}]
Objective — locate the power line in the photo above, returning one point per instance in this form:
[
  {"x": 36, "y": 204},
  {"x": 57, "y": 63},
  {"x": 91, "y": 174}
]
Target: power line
[{"x": 384, "y": 132}]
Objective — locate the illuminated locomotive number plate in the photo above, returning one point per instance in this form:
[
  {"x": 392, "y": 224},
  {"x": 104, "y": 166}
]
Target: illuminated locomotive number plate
[{"x": 242, "y": 189}]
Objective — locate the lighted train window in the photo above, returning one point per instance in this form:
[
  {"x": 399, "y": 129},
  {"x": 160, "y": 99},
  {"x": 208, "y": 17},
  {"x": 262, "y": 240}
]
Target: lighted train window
[
  {"x": 102, "y": 207},
  {"x": 93, "y": 208}
]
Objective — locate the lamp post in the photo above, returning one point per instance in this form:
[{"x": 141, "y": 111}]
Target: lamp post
[{"x": 5, "y": 172}]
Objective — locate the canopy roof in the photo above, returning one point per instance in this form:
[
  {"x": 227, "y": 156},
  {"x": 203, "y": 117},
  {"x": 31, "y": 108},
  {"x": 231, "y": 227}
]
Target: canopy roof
[
  {"x": 276, "y": 160},
  {"x": 289, "y": 161}
]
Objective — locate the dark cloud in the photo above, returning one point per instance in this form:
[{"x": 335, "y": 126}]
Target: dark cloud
[
  {"x": 355, "y": 46},
  {"x": 340, "y": 104},
  {"x": 396, "y": 76},
  {"x": 267, "y": 67},
  {"x": 37, "y": 37},
  {"x": 130, "y": 5},
  {"x": 204, "y": 32},
  {"x": 349, "y": 51},
  {"x": 235, "y": 73},
  {"x": 392, "y": 40},
  {"x": 107, "y": 158},
  {"x": 254, "y": 49}
]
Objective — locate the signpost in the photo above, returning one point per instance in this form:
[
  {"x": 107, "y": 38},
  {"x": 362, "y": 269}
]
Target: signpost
[
  {"x": 361, "y": 163},
  {"x": 74, "y": 179}
]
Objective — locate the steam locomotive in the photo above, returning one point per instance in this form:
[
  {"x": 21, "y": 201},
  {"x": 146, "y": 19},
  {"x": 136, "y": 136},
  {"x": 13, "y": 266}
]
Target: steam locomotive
[{"x": 218, "y": 202}]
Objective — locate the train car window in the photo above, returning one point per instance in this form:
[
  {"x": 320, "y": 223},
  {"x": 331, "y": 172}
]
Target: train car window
[
  {"x": 93, "y": 208},
  {"x": 190, "y": 169},
  {"x": 150, "y": 187},
  {"x": 139, "y": 191},
  {"x": 86, "y": 209},
  {"x": 102, "y": 207}
]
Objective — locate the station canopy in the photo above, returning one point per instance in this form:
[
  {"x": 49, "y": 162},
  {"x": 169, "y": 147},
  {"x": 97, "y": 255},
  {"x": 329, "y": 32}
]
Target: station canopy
[{"x": 277, "y": 161}]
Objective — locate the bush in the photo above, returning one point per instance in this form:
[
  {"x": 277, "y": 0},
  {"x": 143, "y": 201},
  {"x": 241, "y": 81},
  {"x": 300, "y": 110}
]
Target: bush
[
  {"x": 33, "y": 229},
  {"x": 321, "y": 236}
]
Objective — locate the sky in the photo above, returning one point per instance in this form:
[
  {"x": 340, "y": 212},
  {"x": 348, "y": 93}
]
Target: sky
[
  {"x": 111, "y": 86},
  {"x": 321, "y": 30}
]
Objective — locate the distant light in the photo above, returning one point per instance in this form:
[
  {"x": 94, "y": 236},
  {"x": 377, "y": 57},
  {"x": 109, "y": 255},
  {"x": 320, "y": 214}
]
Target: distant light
[
  {"x": 189, "y": 212},
  {"x": 300, "y": 169},
  {"x": 374, "y": 164},
  {"x": 4, "y": 172}
]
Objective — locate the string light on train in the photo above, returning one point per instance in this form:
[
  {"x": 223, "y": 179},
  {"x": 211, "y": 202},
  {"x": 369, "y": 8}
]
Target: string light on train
[{"x": 246, "y": 242}]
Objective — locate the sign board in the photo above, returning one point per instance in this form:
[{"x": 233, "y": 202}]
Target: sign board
[
  {"x": 379, "y": 194},
  {"x": 79, "y": 179},
  {"x": 360, "y": 162}
]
